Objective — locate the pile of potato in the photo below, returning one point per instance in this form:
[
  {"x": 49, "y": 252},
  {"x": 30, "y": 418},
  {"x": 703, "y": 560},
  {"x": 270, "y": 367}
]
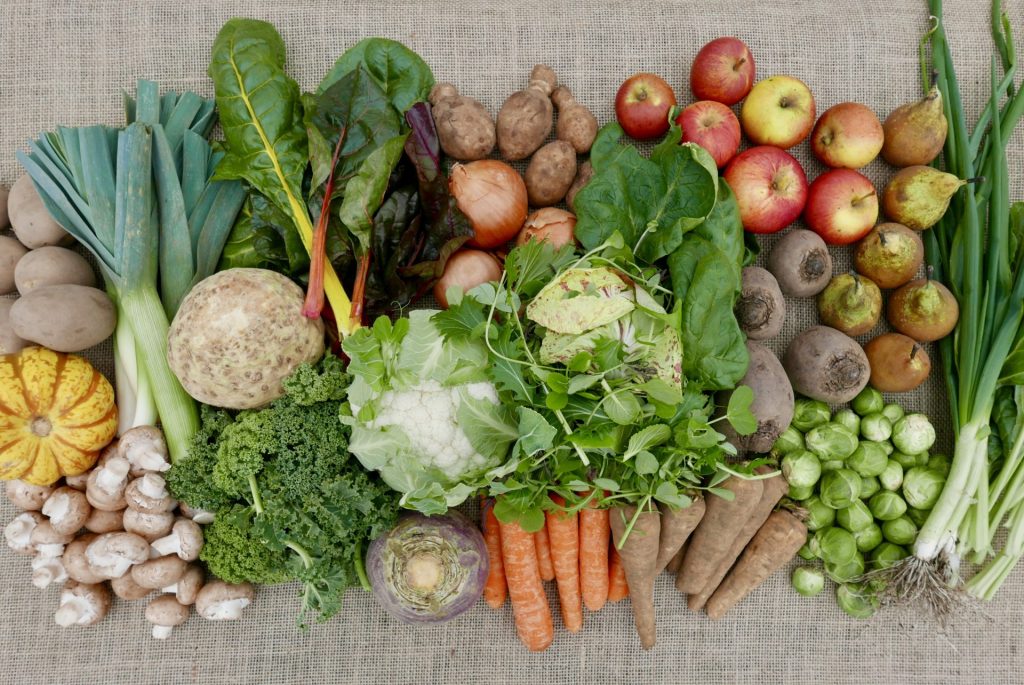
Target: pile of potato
[{"x": 60, "y": 307}]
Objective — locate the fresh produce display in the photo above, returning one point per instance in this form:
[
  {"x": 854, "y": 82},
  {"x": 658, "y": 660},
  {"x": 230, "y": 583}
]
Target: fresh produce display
[
  {"x": 779, "y": 111},
  {"x": 841, "y": 206},
  {"x": 643, "y": 105},
  {"x": 770, "y": 187},
  {"x": 847, "y": 135}
]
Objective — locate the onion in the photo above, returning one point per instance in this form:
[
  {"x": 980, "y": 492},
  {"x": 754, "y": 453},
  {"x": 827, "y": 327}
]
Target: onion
[
  {"x": 551, "y": 224},
  {"x": 466, "y": 269},
  {"x": 492, "y": 195}
]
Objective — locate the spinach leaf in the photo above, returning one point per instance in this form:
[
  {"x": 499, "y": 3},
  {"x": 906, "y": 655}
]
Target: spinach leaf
[
  {"x": 364, "y": 193},
  {"x": 264, "y": 238},
  {"x": 400, "y": 72}
]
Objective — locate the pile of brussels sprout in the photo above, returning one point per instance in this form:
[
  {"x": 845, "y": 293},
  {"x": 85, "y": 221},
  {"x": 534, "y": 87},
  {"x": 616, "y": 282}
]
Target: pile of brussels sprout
[{"x": 867, "y": 481}]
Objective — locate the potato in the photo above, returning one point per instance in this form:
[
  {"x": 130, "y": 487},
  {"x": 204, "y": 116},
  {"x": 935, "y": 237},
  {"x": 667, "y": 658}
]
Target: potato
[
  {"x": 550, "y": 173},
  {"x": 825, "y": 364},
  {"x": 525, "y": 118},
  {"x": 9, "y": 342},
  {"x": 465, "y": 128},
  {"x": 11, "y": 252},
  {"x": 772, "y": 405},
  {"x": 65, "y": 318},
  {"x": 31, "y": 222},
  {"x": 583, "y": 176},
  {"x": 5, "y": 220},
  {"x": 52, "y": 266}
]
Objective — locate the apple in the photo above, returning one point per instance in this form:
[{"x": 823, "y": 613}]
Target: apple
[
  {"x": 779, "y": 111},
  {"x": 847, "y": 135},
  {"x": 714, "y": 127},
  {"x": 722, "y": 71},
  {"x": 770, "y": 187},
  {"x": 642, "y": 105},
  {"x": 842, "y": 206}
]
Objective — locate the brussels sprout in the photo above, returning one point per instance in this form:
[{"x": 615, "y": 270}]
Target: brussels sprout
[
  {"x": 839, "y": 488},
  {"x": 801, "y": 468},
  {"x": 832, "y": 465},
  {"x": 844, "y": 573},
  {"x": 876, "y": 427},
  {"x": 808, "y": 581},
  {"x": 907, "y": 461},
  {"x": 818, "y": 514},
  {"x": 913, "y": 433},
  {"x": 940, "y": 463},
  {"x": 901, "y": 531},
  {"x": 868, "y": 538},
  {"x": 868, "y": 401},
  {"x": 856, "y": 600},
  {"x": 831, "y": 441},
  {"x": 855, "y": 517},
  {"x": 887, "y": 505},
  {"x": 814, "y": 546},
  {"x": 922, "y": 487},
  {"x": 887, "y": 446},
  {"x": 891, "y": 477},
  {"x": 808, "y": 414},
  {"x": 868, "y": 459},
  {"x": 922, "y": 459},
  {"x": 800, "y": 492},
  {"x": 805, "y": 552},
  {"x": 893, "y": 412},
  {"x": 835, "y": 545},
  {"x": 848, "y": 418},
  {"x": 868, "y": 487},
  {"x": 791, "y": 440},
  {"x": 918, "y": 516},
  {"x": 885, "y": 555}
]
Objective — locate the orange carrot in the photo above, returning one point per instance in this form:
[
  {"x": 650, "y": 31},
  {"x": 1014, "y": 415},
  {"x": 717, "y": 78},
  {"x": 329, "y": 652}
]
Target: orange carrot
[
  {"x": 525, "y": 588},
  {"x": 564, "y": 538},
  {"x": 617, "y": 587},
  {"x": 495, "y": 588},
  {"x": 547, "y": 571},
  {"x": 594, "y": 536}
]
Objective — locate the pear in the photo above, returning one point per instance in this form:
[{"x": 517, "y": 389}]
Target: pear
[
  {"x": 924, "y": 310},
  {"x": 850, "y": 303},
  {"x": 918, "y": 196},
  {"x": 889, "y": 255},
  {"x": 898, "y": 363},
  {"x": 915, "y": 132}
]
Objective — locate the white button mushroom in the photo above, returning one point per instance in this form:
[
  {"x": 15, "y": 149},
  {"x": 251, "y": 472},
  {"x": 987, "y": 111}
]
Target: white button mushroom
[
  {"x": 47, "y": 571},
  {"x": 105, "y": 521},
  {"x": 185, "y": 540},
  {"x": 150, "y": 525},
  {"x": 165, "y": 613},
  {"x": 79, "y": 482},
  {"x": 187, "y": 588},
  {"x": 112, "y": 554},
  {"x": 149, "y": 493},
  {"x": 200, "y": 516},
  {"x": 18, "y": 532},
  {"x": 82, "y": 605},
  {"x": 26, "y": 496},
  {"x": 219, "y": 601},
  {"x": 75, "y": 562},
  {"x": 106, "y": 486},
  {"x": 159, "y": 573},
  {"x": 144, "y": 447},
  {"x": 68, "y": 510},
  {"x": 127, "y": 589},
  {"x": 48, "y": 542}
]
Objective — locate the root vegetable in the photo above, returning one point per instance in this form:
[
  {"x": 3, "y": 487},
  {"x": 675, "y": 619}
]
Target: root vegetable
[
  {"x": 677, "y": 561},
  {"x": 465, "y": 128},
  {"x": 898, "y": 363},
  {"x": 826, "y": 365},
  {"x": 550, "y": 173},
  {"x": 30, "y": 220},
  {"x": 564, "y": 536},
  {"x": 676, "y": 527},
  {"x": 772, "y": 405},
  {"x": 551, "y": 224},
  {"x": 11, "y": 254},
  {"x": 583, "y": 175},
  {"x": 525, "y": 588},
  {"x": 850, "y": 303},
  {"x": 639, "y": 553},
  {"x": 594, "y": 536},
  {"x": 65, "y": 318},
  {"x": 495, "y": 588},
  {"x": 10, "y": 343},
  {"x": 466, "y": 269},
  {"x": 711, "y": 540},
  {"x": 492, "y": 195},
  {"x": 924, "y": 310},
  {"x": 52, "y": 265},
  {"x": 775, "y": 543},
  {"x": 576, "y": 124},
  {"x": 525, "y": 118},
  {"x": 82, "y": 604},
  {"x": 801, "y": 263},
  {"x": 761, "y": 309},
  {"x": 5, "y": 219},
  {"x": 547, "y": 570},
  {"x": 618, "y": 588},
  {"x": 889, "y": 255}
]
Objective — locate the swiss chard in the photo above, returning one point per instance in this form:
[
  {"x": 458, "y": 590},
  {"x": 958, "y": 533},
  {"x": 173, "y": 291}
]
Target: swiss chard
[{"x": 400, "y": 72}]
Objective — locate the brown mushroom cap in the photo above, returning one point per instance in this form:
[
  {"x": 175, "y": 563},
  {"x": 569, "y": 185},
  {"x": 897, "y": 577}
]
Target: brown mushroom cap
[
  {"x": 82, "y": 604},
  {"x": 166, "y": 611},
  {"x": 200, "y": 516},
  {"x": 111, "y": 555},
  {"x": 185, "y": 540},
  {"x": 26, "y": 496},
  {"x": 75, "y": 563},
  {"x": 68, "y": 510},
  {"x": 45, "y": 534},
  {"x": 108, "y": 498},
  {"x": 189, "y": 585},
  {"x": 220, "y": 601},
  {"x": 156, "y": 574},
  {"x": 18, "y": 532},
  {"x": 150, "y": 525},
  {"x": 105, "y": 521},
  {"x": 127, "y": 589},
  {"x": 145, "y": 449},
  {"x": 79, "y": 482},
  {"x": 149, "y": 493}
]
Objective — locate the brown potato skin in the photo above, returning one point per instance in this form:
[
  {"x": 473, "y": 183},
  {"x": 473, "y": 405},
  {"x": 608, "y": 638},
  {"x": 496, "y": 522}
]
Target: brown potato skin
[
  {"x": 550, "y": 173},
  {"x": 893, "y": 264},
  {"x": 892, "y": 367},
  {"x": 465, "y": 128},
  {"x": 526, "y": 117},
  {"x": 583, "y": 176},
  {"x": 576, "y": 124},
  {"x": 65, "y": 318},
  {"x": 906, "y": 316}
]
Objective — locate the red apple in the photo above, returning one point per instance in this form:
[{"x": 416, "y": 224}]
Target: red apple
[
  {"x": 842, "y": 206},
  {"x": 770, "y": 188},
  {"x": 642, "y": 105},
  {"x": 779, "y": 111},
  {"x": 847, "y": 135},
  {"x": 714, "y": 127},
  {"x": 722, "y": 71}
]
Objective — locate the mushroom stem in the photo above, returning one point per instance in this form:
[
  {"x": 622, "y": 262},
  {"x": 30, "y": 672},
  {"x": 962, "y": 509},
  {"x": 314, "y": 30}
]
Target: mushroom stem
[
  {"x": 112, "y": 475},
  {"x": 71, "y": 611},
  {"x": 47, "y": 571},
  {"x": 153, "y": 486},
  {"x": 162, "y": 632}
]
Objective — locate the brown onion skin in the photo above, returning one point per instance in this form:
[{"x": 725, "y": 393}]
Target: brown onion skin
[
  {"x": 557, "y": 226},
  {"x": 467, "y": 268},
  {"x": 493, "y": 197}
]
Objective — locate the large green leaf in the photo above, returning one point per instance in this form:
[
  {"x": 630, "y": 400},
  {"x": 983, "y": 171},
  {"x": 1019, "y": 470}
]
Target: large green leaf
[
  {"x": 400, "y": 72},
  {"x": 365, "y": 191}
]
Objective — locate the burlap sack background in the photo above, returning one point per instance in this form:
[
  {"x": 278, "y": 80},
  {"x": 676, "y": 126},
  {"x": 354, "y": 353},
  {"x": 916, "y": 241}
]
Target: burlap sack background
[{"x": 65, "y": 63}]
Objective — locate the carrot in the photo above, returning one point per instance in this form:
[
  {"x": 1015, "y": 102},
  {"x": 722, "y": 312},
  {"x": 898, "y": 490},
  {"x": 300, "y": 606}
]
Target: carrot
[
  {"x": 547, "y": 571},
  {"x": 712, "y": 539},
  {"x": 677, "y": 561},
  {"x": 618, "y": 589},
  {"x": 525, "y": 588},
  {"x": 639, "y": 553},
  {"x": 777, "y": 541},
  {"x": 564, "y": 538},
  {"x": 774, "y": 489},
  {"x": 676, "y": 526},
  {"x": 495, "y": 588},
  {"x": 594, "y": 534}
]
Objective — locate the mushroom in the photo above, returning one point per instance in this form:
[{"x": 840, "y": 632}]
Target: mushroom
[
  {"x": 107, "y": 483},
  {"x": 68, "y": 510},
  {"x": 159, "y": 573},
  {"x": 149, "y": 493},
  {"x": 200, "y": 516},
  {"x": 219, "y": 601},
  {"x": 145, "y": 449},
  {"x": 47, "y": 571},
  {"x": 75, "y": 562},
  {"x": 112, "y": 554},
  {"x": 185, "y": 540},
  {"x": 105, "y": 521},
  {"x": 79, "y": 482},
  {"x": 82, "y": 604},
  {"x": 126, "y": 588},
  {"x": 188, "y": 586},
  {"x": 18, "y": 532},
  {"x": 26, "y": 496},
  {"x": 47, "y": 541},
  {"x": 165, "y": 613},
  {"x": 150, "y": 525}
]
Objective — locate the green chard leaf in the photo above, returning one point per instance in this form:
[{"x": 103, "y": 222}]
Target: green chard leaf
[
  {"x": 399, "y": 72},
  {"x": 364, "y": 193}
]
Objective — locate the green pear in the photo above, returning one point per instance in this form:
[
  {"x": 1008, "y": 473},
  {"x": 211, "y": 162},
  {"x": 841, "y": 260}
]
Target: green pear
[
  {"x": 915, "y": 132},
  {"x": 918, "y": 196},
  {"x": 850, "y": 303}
]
